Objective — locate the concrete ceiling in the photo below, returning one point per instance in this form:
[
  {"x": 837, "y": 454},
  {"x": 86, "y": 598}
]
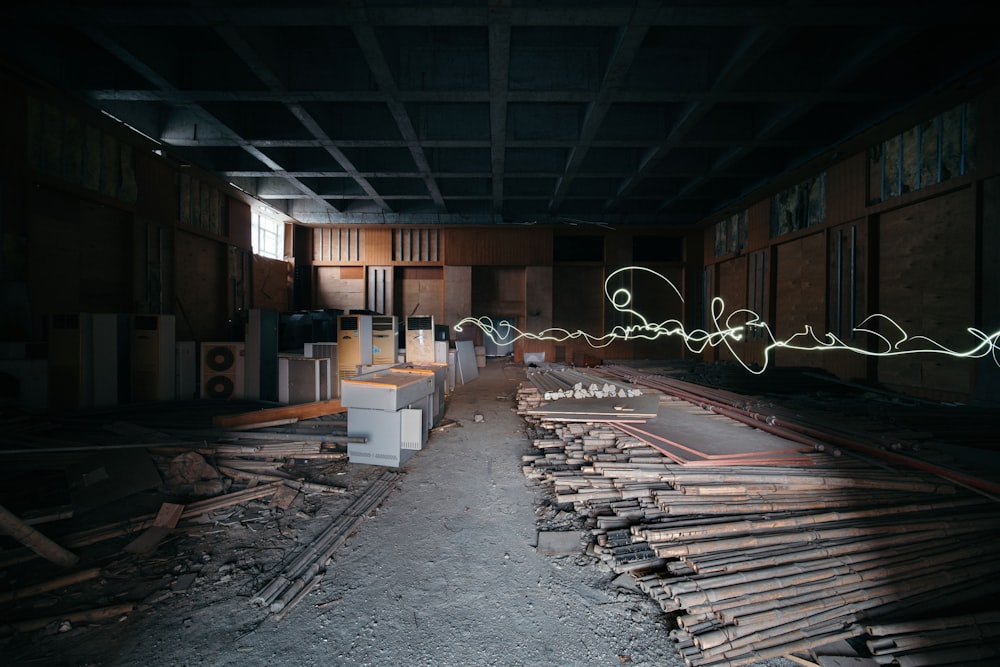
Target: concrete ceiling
[{"x": 502, "y": 111}]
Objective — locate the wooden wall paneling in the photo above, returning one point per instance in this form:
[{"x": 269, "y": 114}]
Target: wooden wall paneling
[
  {"x": 499, "y": 292},
  {"x": 417, "y": 245},
  {"x": 661, "y": 307},
  {"x": 801, "y": 297},
  {"x": 201, "y": 288},
  {"x": 927, "y": 285},
  {"x": 420, "y": 291},
  {"x": 376, "y": 245},
  {"x": 272, "y": 284},
  {"x": 481, "y": 246},
  {"x": 458, "y": 300},
  {"x": 538, "y": 299},
  {"x": 380, "y": 284},
  {"x": 578, "y": 306},
  {"x": 846, "y": 189},
  {"x": 339, "y": 287},
  {"x": 340, "y": 245}
]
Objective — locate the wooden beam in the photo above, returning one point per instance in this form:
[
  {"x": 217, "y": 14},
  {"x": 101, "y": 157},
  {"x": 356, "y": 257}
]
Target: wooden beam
[
  {"x": 34, "y": 540},
  {"x": 263, "y": 417}
]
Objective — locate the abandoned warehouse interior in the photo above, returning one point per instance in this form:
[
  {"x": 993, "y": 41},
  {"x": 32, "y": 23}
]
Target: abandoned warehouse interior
[{"x": 461, "y": 333}]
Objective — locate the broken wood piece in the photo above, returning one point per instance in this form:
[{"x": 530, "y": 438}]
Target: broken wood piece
[
  {"x": 445, "y": 423},
  {"x": 300, "y": 411},
  {"x": 34, "y": 540},
  {"x": 264, "y": 424},
  {"x": 50, "y": 585},
  {"x": 314, "y": 486},
  {"x": 236, "y": 473},
  {"x": 191, "y": 512},
  {"x": 284, "y": 497},
  {"x": 164, "y": 523},
  {"x": 87, "y": 616}
]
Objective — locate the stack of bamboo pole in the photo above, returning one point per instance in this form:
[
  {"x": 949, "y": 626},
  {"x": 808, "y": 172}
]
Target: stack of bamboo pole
[
  {"x": 755, "y": 562},
  {"x": 308, "y": 567}
]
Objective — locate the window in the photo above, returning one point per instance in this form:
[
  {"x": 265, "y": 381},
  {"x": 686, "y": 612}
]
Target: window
[
  {"x": 940, "y": 148},
  {"x": 268, "y": 234},
  {"x": 800, "y": 206},
  {"x": 731, "y": 234}
]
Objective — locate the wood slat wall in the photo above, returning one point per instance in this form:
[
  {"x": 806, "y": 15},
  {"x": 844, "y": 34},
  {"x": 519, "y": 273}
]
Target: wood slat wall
[{"x": 486, "y": 246}]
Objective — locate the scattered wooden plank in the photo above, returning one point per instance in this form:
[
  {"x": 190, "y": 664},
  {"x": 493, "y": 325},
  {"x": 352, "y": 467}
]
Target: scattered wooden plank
[
  {"x": 87, "y": 616},
  {"x": 300, "y": 411},
  {"x": 50, "y": 585},
  {"x": 163, "y": 524},
  {"x": 34, "y": 540}
]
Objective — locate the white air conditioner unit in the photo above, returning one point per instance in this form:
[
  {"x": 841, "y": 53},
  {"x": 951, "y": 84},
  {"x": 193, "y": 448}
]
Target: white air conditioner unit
[
  {"x": 420, "y": 339},
  {"x": 303, "y": 379},
  {"x": 222, "y": 370},
  {"x": 71, "y": 361},
  {"x": 385, "y": 339},
  {"x": 354, "y": 344},
  {"x": 326, "y": 350},
  {"x": 153, "y": 357}
]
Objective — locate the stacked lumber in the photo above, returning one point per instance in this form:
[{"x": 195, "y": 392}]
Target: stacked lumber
[{"x": 754, "y": 562}]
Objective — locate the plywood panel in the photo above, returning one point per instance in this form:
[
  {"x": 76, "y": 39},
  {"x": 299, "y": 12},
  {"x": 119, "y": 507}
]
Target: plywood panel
[
  {"x": 458, "y": 298},
  {"x": 340, "y": 288},
  {"x": 272, "y": 284},
  {"x": 421, "y": 292},
  {"x": 845, "y": 189},
  {"x": 927, "y": 286},
  {"x": 201, "y": 288},
  {"x": 377, "y": 246}
]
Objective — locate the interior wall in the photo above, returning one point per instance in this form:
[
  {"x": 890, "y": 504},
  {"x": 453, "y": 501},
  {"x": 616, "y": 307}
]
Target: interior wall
[
  {"x": 927, "y": 261},
  {"x": 339, "y": 287},
  {"x": 578, "y": 308},
  {"x": 204, "y": 310},
  {"x": 800, "y": 303},
  {"x": 79, "y": 256},
  {"x": 420, "y": 293}
]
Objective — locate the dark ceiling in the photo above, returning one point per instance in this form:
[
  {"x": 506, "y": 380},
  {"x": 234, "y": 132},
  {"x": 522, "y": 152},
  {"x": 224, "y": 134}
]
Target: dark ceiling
[{"x": 513, "y": 111}]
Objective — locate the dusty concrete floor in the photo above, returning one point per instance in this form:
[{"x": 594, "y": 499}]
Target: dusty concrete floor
[{"x": 444, "y": 573}]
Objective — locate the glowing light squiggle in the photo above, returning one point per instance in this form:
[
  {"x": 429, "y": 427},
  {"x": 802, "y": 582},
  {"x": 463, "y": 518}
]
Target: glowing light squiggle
[{"x": 727, "y": 329}]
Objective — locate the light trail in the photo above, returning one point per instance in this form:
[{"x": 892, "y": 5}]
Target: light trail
[{"x": 727, "y": 329}]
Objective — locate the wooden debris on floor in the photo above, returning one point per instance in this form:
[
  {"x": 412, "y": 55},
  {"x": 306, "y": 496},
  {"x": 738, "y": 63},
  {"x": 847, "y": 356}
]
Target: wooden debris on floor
[
  {"x": 764, "y": 557},
  {"x": 209, "y": 481}
]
